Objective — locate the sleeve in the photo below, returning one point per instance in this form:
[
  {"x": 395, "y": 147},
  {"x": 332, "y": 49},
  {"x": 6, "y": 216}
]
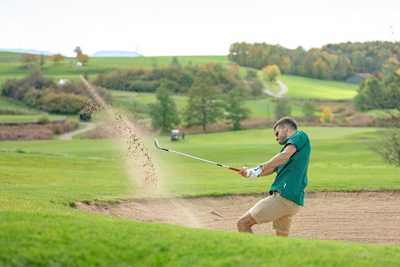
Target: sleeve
[{"x": 298, "y": 140}]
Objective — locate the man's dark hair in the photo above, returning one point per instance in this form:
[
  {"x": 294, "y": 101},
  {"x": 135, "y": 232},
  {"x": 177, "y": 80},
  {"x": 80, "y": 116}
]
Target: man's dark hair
[{"x": 286, "y": 121}]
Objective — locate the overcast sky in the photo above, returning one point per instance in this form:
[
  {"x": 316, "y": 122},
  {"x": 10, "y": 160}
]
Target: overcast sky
[{"x": 203, "y": 27}]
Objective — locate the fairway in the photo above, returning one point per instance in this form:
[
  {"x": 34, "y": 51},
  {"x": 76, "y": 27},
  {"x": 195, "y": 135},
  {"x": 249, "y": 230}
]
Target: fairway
[{"x": 307, "y": 88}]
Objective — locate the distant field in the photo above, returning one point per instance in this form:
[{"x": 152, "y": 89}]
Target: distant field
[
  {"x": 301, "y": 87},
  {"x": 12, "y": 65},
  {"x": 29, "y": 118},
  {"x": 7, "y": 57}
]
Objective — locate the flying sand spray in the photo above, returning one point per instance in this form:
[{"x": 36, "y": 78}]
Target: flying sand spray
[
  {"x": 126, "y": 130},
  {"x": 139, "y": 155}
]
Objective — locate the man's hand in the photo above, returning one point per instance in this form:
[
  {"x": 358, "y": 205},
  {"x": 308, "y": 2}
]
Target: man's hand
[
  {"x": 243, "y": 172},
  {"x": 251, "y": 172}
]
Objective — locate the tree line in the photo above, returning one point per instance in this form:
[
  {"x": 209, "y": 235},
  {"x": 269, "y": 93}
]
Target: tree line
[{"x": 332, "y": 61}]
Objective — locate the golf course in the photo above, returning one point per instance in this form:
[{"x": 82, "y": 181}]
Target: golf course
[
  {"x": 43, "y": 180},
  {"x": 159, "y": 156}
]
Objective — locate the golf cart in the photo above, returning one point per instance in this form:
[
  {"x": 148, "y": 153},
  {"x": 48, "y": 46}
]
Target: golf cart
[{"x": 176, "y": 135}]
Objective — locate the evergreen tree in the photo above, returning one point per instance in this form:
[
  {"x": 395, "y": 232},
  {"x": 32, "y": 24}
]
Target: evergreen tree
[
  {"x": 164, "y": 114},
  {"x": 235, "y": 112},
  {"x": 204, "y": 106}
]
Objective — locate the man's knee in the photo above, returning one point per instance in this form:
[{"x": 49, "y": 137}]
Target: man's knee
[{"x": 245, "y": 223}]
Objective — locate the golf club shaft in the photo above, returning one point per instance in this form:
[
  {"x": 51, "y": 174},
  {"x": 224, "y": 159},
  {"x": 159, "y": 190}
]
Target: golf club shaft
[
  {"x": 204, "y": 160},
  {"x": 196, "y": 158}
]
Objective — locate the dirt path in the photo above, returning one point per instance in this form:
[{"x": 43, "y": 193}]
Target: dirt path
[
  {"x": 282, "y": 90},
  {"x": 368, "y": 217},
  {"x": 87, "y": 126}
]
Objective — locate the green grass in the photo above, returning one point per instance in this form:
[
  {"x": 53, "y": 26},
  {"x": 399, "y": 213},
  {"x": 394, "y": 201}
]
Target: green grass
[
  {"x": 335, "y": 161},
  {"x": 29, "y": 118},
  {"x": 263, "y": 107},
  {"x": 9, "y": 105},
  {"x": 8, "y": 57},
  {"x": 39, "y": 178},
  {"x": 307, "y": 88}
]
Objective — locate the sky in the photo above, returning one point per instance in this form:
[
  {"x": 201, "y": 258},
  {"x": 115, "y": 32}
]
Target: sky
[{"x": 186, "y": 27}]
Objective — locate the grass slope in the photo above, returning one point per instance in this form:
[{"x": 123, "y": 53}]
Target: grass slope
[{"x": 302, "y": 87}]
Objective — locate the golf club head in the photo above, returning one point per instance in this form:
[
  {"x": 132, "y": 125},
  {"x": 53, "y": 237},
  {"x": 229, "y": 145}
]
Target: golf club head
[{"x": 157, "y": 145}]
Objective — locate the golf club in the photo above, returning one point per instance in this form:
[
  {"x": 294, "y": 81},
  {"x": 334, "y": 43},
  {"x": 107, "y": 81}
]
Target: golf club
[{"x": 157, "y": 145}]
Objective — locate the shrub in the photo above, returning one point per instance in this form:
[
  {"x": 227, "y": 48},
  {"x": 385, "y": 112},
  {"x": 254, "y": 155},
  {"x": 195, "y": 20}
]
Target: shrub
[
  {"x": 43, "y": 119},
  {"x": 327, "y": 115},
  {"x": 55, "y": 102}
]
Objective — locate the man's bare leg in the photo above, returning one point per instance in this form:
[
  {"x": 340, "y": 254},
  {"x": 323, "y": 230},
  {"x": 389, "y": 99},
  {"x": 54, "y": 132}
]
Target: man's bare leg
[
  {"x": 280, "y": 233},
  {"x": 245, "y": 223}
]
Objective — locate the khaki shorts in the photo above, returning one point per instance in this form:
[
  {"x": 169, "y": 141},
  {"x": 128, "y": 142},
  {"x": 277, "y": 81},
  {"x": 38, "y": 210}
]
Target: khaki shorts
[{"x": 275, "y": 209}]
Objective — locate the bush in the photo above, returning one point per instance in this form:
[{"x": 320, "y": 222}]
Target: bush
[
  {"x": 327, "y": 115},
  {"x": 43, "y": 119},
  {"x": 143, "y": 86},
  {"x": 31, "y": 97},
  {"x": 63, "y": 127},
  {"x": 40, "y": 92},
  {"x": 55, "y": 102}
]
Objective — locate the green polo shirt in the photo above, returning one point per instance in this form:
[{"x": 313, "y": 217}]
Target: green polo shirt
[{"x": 291, "y": 178}]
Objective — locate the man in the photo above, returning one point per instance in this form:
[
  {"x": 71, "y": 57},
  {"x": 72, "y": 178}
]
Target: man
[{"x": 286, "y": 195}]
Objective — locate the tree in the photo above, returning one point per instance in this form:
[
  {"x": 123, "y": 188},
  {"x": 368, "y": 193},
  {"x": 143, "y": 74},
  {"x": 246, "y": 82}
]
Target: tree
[
  {"x": 42, "y": 61},
  {"x": 83, "y": 58},
  {"x": 175, "y": 63},
  {"x": 342, "y": 69},
  {"x": 286, "y": 64},
  {"x": 369, "y": 94},
  {"x": 271, "y": 73},
  {"x": 389, "y": 147},
  {"x": 56, "y": 58},
  {"x": 78, "y": 51},
  {"x": 282, "y": 108},
  {"x": 80, "y": 56},
  {"x": 327, "y": 115},
  {"x": 309, "y": 110},
  {"x": 203, "y": 107},
  {"x": 164, "y": 114},
  {"x": 29, "y": 60},
  {"x": 251, "y": 75},
  {"x": 235, "y": 112}
]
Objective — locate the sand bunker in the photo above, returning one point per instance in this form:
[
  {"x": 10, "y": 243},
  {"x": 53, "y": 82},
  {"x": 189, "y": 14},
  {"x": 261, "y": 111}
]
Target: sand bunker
[{"x": 368, "y": 217}]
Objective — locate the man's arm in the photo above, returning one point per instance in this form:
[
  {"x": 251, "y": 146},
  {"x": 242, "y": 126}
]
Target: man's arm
[{"x": 270, "y": 166}]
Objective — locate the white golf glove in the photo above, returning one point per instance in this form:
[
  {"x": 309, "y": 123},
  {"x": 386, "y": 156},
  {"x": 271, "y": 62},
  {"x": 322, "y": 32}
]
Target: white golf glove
[{"x": 254, "y": 172}]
